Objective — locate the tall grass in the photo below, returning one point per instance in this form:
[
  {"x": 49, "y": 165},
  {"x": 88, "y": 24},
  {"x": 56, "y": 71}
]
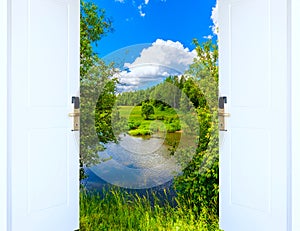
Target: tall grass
[{"x": 119, "y": 210}]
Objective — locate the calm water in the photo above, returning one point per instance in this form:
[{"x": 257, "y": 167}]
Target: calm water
[{"x": 136, "y": 163}]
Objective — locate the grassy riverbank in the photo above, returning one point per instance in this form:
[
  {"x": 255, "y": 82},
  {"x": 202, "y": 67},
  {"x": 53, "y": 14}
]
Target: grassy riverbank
[
  {"x": 117, "y": 210},
  {"x": 165, "y": 119}
]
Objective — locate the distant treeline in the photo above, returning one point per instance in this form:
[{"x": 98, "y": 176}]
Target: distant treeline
[{"x": 175, "y": 91}]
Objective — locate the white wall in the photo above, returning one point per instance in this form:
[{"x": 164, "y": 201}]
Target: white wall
[
  {"x": 295, "y": 48},
  {"x": 3, "y": 115}
]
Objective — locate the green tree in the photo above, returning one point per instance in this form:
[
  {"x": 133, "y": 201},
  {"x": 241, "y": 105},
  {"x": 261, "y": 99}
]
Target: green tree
[
  {"x": 97, "y": 100},
  {"x": 147, "y": 110},
  {"x": 167, "y": 92},
  {"x": 93, "y": 26},
  {"x": 198, "y": 185},
  {"x": 97, "y": 87}
]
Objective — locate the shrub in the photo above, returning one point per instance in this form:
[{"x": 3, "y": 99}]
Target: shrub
[
  {"x": 147, "y": 110},
  {"x": 133, "y": 124},
  {"x": 140, "y": 132}
]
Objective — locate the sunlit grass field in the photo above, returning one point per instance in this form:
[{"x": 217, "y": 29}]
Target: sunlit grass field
[
  {"x": 165, "y": 120},
  {"x": 134, "y": 113},
  {"x": 118, "y": 210}
]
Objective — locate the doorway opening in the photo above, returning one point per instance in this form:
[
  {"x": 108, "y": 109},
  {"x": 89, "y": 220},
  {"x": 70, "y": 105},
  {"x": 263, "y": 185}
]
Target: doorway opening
[{"x": 149, "y": 118}]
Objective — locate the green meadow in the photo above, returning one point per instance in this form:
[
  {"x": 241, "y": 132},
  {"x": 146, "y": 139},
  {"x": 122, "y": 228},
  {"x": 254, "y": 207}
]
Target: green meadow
[{"x": 164, "y": 119}]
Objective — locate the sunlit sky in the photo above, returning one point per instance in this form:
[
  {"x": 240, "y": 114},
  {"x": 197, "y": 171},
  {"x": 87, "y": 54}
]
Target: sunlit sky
[
  {"x": 147, "y": 26},
  {"x": 144, "y": 21}
]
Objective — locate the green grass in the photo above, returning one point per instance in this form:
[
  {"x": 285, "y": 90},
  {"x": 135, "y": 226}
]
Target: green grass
[
  {"x": 119, "y": 210},
  {"x": 166, "y": 120},
  {"x": 131, "y": 111}
]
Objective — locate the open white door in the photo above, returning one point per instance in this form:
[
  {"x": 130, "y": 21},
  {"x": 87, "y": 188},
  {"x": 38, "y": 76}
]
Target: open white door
[
  {"x": 43, "y": 151},
  {"x": 254, "y": 151}
]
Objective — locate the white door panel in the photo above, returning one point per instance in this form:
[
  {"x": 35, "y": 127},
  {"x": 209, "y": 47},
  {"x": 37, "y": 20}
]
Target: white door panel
[
  {"x": 44, "y": 151},
  {"x": 253, "y": 76}
]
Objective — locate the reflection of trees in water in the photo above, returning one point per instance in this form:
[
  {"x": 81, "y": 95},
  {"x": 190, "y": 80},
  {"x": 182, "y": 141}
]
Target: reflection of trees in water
[
  {"x": 137, "y": 163},
  {"x": 97, "y": 90}
]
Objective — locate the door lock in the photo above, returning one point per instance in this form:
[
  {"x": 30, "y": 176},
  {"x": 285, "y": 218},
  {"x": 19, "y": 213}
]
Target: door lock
[
  {"x": 75, "y": 114},
  {"x": 222, "y": 114}
]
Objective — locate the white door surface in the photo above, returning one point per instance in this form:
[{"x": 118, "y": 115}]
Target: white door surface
[
  {"x": 254, "y": 75},
  {"x": 43, "y": 151}
]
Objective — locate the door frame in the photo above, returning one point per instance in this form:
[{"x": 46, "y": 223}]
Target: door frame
[
  {"x": 295, "y": 111},
  {"x": 4, "y": 74}
]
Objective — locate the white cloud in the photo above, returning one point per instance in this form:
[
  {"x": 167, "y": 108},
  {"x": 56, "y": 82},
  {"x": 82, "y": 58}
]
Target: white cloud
[
  {"x": 214, "y": 18},
  {"x": 142, "y": 14},
  {"x": 140, "y": 4},
  {"x": 161, "y": 59},
  {"x": 208, "y": 37}
]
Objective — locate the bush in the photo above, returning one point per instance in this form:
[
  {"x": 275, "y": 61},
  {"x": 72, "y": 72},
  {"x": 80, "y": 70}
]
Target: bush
[
  {"x": 133, "y": 124},
  {"x": 172, "y": 128},
  {"x": 161, "y": 107},
  {"x": 140, "y": 132},
  {"x": 159, "y": 117}
]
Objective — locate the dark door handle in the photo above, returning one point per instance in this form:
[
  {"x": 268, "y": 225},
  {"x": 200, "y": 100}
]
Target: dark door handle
[
  {"x": 75, "y": 100},
  {"x": 222, "y": 114}
]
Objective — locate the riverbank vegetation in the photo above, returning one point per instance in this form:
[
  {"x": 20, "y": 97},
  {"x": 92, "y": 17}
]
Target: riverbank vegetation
[
  {"x": 122, "y": 211},
  {"x": 165, "y": 120}
]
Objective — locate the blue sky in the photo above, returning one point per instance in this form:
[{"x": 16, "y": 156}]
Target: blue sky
[
  {"x": 155, "y": 37},
  {"x": 176, "y": 20}
]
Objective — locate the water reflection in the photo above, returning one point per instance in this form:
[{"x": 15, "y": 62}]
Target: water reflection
[{"x": 137, "y": 162}]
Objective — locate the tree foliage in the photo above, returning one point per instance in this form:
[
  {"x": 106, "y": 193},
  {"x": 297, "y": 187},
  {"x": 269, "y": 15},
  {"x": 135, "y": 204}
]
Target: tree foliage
[
  {"x": 147, "y": 110},
  {"x": 198, "y": 185},
  {"x": 167, "y": 93},
  {"x": 97, "y": 87},
  {"x": 93, "y": 26},
  {"x": 97, "y": 101}
]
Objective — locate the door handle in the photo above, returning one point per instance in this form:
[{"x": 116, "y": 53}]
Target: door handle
[
  {"x": 76, "y": 113},
  {"x": 222, "y": 114}
]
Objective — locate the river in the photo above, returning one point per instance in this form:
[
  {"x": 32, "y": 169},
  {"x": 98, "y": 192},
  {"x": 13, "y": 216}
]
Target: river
[{"x": 135, "y": 163}]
